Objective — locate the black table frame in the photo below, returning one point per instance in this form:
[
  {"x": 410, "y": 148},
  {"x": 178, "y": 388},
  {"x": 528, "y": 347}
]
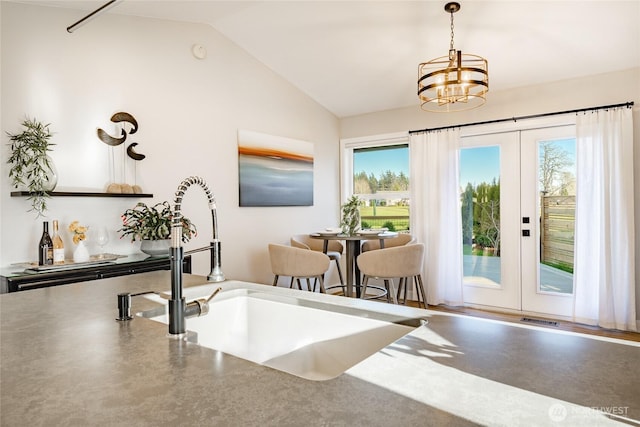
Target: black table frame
[{"x": 352, "y": 253}]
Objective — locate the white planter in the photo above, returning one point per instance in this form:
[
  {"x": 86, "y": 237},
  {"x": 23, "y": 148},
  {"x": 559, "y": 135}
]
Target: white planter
[
  {"x": 156, "y": 248},
  {"x": 80, "y": 253}
]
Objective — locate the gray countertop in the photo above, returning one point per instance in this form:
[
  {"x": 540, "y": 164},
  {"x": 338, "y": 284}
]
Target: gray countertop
[{"x": 65, "y": 360}]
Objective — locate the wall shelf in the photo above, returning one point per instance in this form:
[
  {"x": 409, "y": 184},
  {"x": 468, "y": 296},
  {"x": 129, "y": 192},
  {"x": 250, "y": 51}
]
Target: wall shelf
[{"x": 84, "y": 194}]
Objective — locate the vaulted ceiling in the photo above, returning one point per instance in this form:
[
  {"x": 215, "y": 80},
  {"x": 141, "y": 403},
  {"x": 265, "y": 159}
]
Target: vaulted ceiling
[{"x": 356, "y": 57}]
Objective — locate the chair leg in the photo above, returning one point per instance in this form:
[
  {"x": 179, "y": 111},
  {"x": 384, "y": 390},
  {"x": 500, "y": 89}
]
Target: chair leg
[
  {"x": 275, "y": 280},
  {"x": 402, "y": 290},
  {"x": 342, "y": 286},
  {"x": 363, "y": 291},
  {"x": 298, "y": 281},
  {"x": 388, "y": 283},
  {"x": 392, "y": 292},
  {"x": 340, "y": 275},
  {"x": 408, "y": 281},
  {"x": 322, "y": 290},
  {"x": 407, "y": 284},
  {"x": 420, "y": 286}
]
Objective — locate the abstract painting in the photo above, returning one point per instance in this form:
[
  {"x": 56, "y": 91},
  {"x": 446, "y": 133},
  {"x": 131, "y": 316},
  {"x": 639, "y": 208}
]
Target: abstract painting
[{"x": 274, "y": 171}]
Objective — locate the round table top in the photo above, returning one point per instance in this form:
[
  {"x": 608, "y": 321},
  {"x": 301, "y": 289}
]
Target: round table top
[{"x": 363, "y": 236}]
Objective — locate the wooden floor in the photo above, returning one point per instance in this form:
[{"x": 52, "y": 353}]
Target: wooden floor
[
  {"x": 533, "y": 320},
  {"x": 544, "y": 323}
]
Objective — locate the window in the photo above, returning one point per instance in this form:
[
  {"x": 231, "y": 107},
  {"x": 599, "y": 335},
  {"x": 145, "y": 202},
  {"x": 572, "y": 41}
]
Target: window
[{"x": 377, "y": 171}]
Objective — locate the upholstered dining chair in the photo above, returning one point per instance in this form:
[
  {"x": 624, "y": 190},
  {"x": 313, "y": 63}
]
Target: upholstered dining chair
[
  {"x": 400, "y": 240},
  {"x": 298, "y": 264},
  {"x": 401, "y": 262},
  {"x": 334, "y": 251}
]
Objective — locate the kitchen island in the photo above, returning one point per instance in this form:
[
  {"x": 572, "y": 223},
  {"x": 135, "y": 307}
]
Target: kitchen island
[{"x": 66, "y": 361}]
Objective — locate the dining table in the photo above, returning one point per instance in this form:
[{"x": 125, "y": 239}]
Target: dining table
[{"x": 353, "y": 243}]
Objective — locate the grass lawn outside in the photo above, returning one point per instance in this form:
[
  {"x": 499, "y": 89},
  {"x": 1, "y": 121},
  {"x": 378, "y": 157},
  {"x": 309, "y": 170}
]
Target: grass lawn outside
[
  {"x": 385, "y": 211},
  {"x": 396, "y": 218}
]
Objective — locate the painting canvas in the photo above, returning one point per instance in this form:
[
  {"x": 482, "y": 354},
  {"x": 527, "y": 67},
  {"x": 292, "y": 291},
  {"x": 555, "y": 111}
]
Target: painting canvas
[{"x": 274, "y": 171}]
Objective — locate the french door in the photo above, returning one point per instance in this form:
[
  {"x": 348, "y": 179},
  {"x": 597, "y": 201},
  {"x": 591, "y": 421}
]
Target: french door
[{"x": 517, "y": 207}]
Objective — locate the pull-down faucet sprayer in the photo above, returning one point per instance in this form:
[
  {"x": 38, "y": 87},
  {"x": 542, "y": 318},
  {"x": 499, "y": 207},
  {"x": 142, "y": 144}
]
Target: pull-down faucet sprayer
[{"x": 177, "y": 305}]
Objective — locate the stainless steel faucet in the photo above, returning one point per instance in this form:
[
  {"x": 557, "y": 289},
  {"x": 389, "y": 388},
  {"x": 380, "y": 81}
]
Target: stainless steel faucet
[{"x": 177, "y": 305}]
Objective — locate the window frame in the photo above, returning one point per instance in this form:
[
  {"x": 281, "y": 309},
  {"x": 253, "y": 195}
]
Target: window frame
[{"x": 347, "y": 147}]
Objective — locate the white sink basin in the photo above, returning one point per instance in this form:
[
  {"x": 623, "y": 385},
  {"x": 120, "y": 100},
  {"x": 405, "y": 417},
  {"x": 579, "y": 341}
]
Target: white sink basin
[{"x": 302, "y": 337}]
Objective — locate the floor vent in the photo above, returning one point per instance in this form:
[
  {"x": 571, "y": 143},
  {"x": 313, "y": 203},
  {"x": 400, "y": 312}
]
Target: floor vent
[{"x": 539, "y": 321}]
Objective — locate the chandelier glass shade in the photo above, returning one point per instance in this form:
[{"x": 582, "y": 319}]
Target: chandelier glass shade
[{"x": 455, "y": 82}]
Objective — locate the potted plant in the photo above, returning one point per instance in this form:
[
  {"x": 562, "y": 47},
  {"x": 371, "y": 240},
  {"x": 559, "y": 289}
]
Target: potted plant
[
  {"x": 31, "y": 166},
  {"x": 350, "y": 223},
  {"x": 152, "y": 225}
]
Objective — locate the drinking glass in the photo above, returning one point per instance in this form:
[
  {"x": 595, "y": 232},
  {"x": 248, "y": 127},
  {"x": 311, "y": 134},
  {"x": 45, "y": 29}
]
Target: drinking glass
[{"x": 102, "y": 238}]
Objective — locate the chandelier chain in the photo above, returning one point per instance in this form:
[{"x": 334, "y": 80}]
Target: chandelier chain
[{"x": 451, "y": 44}]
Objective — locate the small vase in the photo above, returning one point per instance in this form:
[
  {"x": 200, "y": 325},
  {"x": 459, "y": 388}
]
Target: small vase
[
  {"x": 50, "y": 180},
  {"x": 81, "y": 254},
  {"x": 52, "y": 176},
  {"x": 156, "y": 248}
]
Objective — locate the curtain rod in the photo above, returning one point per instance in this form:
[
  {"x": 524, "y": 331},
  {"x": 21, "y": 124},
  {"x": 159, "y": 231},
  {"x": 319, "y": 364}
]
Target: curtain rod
[
  {"x": 533, "y": 116},
  {"x": 84, "y": 20}
]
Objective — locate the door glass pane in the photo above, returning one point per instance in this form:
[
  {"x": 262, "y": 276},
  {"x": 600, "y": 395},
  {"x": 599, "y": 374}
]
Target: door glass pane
[
  {"x": 557, "y": 206},
  {"x": 381, "y": 179},
  {"x": 480, "y": 202}
]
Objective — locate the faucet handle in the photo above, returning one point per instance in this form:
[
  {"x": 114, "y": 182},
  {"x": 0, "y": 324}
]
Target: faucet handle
[
  {"x": 213, "y": 294},
  {"x": 200, "y": 307}
]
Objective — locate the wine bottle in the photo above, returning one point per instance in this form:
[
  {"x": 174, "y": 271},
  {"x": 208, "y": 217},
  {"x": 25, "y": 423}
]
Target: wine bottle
[
  {"x": 58, "y": 245},
  {"x": 45, "y": 248}
]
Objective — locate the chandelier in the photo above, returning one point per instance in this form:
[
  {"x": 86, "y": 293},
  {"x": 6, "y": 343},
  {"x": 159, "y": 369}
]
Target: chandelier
[{"x": 455, "y": 82}]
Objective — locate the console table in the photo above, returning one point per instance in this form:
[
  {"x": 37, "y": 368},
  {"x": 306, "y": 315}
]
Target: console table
[{"x": 15, "y": 279}]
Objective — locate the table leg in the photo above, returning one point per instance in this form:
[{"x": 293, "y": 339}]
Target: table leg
[
  {"x": 351, "y": 265},
  {"x": 356, "y": 253}
]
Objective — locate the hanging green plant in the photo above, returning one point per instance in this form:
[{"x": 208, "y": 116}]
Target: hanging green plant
[{"x": 31, "y": 166}]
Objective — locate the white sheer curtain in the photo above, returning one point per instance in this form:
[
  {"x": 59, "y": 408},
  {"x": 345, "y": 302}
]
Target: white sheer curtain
[
  {"x": 435, "y": 212},
  {"x": 604, "y": 275}
]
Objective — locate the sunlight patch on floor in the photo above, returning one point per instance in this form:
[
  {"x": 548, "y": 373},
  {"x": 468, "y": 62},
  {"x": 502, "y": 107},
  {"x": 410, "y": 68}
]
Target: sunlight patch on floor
[{"x": 464, "y": 395}]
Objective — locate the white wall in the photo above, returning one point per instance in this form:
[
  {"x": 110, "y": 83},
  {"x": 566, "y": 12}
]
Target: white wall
[
  {"x": 592, "y": 91},
  {"x": 189, "y": 111},
  {"x": 585, "y": 92}
]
